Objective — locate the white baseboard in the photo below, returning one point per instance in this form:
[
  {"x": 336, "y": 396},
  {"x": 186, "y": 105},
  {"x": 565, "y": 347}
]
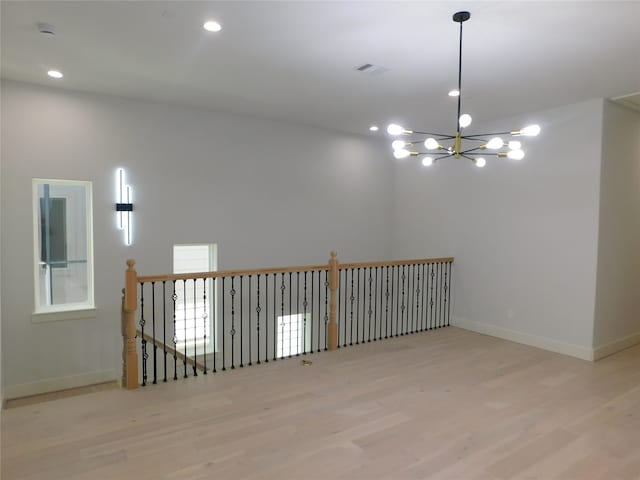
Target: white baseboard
[
  {"x": 578, "y": 351},
  {"x": 59, "y": 383},
  {"x": 616, "y": 346}
]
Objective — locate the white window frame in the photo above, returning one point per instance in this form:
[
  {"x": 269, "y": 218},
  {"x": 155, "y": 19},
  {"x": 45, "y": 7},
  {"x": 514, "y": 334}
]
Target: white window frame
[
  {"x": 212, "y": 316},
  {"x": 64, "y": 311}
]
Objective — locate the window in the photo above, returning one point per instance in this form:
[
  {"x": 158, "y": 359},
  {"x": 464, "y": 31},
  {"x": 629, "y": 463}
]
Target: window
[
  {"x": 294, "y": 336},
  {"x": 63, "y": 248},
  {"x": 193, "y": 314}
]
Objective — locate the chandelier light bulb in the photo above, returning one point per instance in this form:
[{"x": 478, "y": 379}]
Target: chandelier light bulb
[
  {"x": 395, "y": 129},
  {"x": 454, "y": 93},
  {"x": 515, "y": 145},
  {"x": 530, "y": 130},
  {"x": 495, "y": 143},
  {"x": 515, "y": 154},
  {"x": 480, "y": 162},
  {"x": 398, "y": 144},
  {"x": 427, "y": 161},
  {"x": 431, "y": 144},
  {"x": 401, "y": 153},
  {"x": 465, "y": 120}
]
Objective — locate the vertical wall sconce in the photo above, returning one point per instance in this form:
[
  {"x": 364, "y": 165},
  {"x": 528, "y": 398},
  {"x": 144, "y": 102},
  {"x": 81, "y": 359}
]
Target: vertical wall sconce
[{"x": 124, "y": 206}]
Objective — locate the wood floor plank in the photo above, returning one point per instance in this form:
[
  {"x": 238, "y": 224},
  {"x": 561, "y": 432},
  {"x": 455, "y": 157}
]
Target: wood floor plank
[{"x": 446, "y": 404}]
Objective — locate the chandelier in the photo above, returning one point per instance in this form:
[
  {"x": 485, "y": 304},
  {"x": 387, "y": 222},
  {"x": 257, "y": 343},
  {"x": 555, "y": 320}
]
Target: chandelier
[{"x": 471, "y": 147}]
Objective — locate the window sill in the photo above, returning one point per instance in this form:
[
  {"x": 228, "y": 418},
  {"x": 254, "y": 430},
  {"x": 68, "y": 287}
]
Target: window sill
[{"x": 43, "y": 317}]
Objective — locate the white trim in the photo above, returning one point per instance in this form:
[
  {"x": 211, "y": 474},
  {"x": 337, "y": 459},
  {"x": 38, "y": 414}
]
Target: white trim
[
  {"x": 578, "y": 351},
  {"x": 616, "y": 346},
  {"x": 43, "y": 317},
  {"x": 59, "y": 383}
]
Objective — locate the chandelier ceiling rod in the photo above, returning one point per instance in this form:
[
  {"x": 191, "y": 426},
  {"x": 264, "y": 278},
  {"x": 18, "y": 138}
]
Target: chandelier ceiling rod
[
  {"x": 463, "y": 121},
  {"x": 460, "y": 17}
]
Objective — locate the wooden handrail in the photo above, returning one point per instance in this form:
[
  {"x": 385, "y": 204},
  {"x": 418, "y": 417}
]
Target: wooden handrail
[
  {"x": 230, "y": 273},
  {"x": 390, "y": 263},
  {"x": 299, "y": 268},
  {"x": 170, "y": 350}
]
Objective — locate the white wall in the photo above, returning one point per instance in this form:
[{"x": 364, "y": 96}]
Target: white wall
[
  {"x": 617, "y": 308},
  {"x": 524, "y": 234},
  {"x": 266, "y": 192}
]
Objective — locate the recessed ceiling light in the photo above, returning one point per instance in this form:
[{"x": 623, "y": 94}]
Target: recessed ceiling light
[
  {"x": 374, "y": 128},
  {"x": 212, "y": 26},
  {"x": 454, "y": 93},
  {"x": 55, "y": 74}
]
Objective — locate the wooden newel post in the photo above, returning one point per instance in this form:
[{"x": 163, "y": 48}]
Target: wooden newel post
[
  {"x": 130, "y": 305},
  {"x": 333, "y": 287}
]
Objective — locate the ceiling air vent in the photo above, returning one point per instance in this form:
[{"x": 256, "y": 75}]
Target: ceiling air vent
[{"x": 371, "y": 69}]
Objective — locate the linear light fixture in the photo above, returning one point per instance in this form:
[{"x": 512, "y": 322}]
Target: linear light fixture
[
  {"x": 124, "y": 206},
  {"x": 471, "y": 147}
]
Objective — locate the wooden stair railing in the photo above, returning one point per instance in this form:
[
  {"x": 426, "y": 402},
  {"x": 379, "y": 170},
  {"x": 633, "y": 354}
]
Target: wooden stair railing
[{"x": 405, "y": 292}]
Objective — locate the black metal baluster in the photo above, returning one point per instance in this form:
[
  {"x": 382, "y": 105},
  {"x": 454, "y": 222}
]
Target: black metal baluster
[
  {"x": 422, "y": 319},
  {"x": 184, "y": 305},
  {"x": 370, "y": 311},
  {"x": 339, "y": 310},
  {"x": 195, "y": 328},
  {"x": 250, "y": 330},
  {"x": 304, "y": 318},
  {"x": 290, "y": 311},
  {"x": 358, "y": 308},
  {"x": 297, "y": 317},
  {"x": 449, "y": 294},
  {"x": 409, "y": 300},
  {"x": 319, "y": 302},
  {"x": 326, "y": 309},
  {"x": 416, "y": 297},
  {"x": 258, "y": 319},
  {"x": 386, "y": 307},
  {"x": 224, "y": 333},
  {"x": 403, "y": 307},
  {"x": 344, "y": 342},
  {"x": 431, "y": 299},
  {"x": 144, "y": 340},
  {"x": 394, "y": 290},
  {"x": 205, "y": 316},
  {"x": 351, "y": 299},
  {"x": 311, "y": 312},
  {"x": 412, "y": 297},
  {"x": 275, "y": 323},
  {"x": 375, "y": 306},
  {"x": 214, "y": 326},
  {"x": 440, "y": 296},
  {"x": 232, "y": 292},
  {"x": 417, "y": 301},
  {"x": 282, "y": 289},
  {"x": 164, "y": 328},
  {"x": 174, "y": 297},
  {"x": 445, "y": 286},
  {"x": 241, "y": 327},
  {"x": 266, "y": 318},
  {"x": 153, "y": 331}
]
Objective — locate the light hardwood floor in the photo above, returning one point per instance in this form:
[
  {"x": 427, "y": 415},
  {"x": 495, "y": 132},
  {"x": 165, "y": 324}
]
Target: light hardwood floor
[{"x": 447, "y": 404}]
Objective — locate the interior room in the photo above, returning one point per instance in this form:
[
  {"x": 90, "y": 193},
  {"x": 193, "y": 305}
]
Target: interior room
[{"x": 277, "y": 237}]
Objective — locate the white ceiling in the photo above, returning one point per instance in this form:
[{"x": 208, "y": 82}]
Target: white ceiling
[{"x": 295, "y": 61}]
